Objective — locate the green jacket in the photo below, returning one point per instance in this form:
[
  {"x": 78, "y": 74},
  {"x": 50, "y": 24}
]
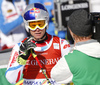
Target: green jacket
[
  {"x": 85, "y": 69},
  {"x": 81, "y": 66}
]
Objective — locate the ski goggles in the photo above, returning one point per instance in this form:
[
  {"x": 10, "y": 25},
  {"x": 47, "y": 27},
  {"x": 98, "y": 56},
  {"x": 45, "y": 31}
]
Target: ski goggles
[{"x": 37, "y": 24}]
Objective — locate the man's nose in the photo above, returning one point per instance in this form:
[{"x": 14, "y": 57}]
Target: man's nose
[{"x": 37, "y": 29}]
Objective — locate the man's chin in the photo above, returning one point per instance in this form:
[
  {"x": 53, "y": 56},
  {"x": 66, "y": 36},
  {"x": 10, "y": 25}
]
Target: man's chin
[{"x": 37, "y": 39}]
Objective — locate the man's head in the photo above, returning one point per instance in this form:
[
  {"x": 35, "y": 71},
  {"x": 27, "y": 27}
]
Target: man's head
[
  {"x": 36, "y": 19},
  {"x": 79, "y": 24}
]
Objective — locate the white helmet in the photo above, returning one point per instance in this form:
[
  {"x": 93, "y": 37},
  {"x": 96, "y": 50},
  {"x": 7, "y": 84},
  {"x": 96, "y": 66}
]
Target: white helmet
[{"x": 35, "y": 12}]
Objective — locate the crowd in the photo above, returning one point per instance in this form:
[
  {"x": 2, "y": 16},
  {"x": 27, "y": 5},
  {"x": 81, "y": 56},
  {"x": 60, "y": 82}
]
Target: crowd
[{"x": 11, "y": 22}]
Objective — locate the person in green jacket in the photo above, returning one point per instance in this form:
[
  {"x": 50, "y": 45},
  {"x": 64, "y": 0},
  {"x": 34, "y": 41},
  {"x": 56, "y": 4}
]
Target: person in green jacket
[{"x": 82, "y": 65}]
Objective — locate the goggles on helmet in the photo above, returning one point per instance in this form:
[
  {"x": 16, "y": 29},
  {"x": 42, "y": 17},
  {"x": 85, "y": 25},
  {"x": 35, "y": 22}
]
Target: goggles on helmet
[{"x": 37, "y": 24}]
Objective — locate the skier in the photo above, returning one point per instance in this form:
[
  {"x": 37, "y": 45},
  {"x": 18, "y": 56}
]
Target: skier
[
  {"x": 48, "y": 49},
  {"x": 49, "y": 6}
]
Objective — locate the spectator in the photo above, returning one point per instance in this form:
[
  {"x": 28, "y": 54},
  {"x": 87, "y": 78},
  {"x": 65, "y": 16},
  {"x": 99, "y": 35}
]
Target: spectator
[
  {"x": 48, "y": 49},
  {"x": 11, "y": 22},
  {"x": 81, "y": 66}
]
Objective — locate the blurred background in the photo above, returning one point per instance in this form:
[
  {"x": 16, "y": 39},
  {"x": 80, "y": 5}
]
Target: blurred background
[{"x": 59, "y": 11}]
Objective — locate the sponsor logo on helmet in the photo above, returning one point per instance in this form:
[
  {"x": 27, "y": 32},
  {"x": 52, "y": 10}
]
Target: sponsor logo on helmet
[{"x": 34, "y": 10}]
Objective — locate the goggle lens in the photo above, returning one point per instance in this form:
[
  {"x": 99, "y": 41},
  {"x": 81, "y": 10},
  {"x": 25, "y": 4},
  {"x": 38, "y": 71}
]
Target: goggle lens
[{"x": 40, "y": 23}]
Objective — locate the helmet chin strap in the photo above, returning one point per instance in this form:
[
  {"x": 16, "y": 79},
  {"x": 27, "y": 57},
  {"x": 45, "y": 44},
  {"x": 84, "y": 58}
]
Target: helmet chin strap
[{"x": 44, "y": 37}]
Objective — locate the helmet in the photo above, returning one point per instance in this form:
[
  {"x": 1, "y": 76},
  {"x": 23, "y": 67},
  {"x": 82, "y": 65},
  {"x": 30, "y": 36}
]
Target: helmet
[{"x": 35, "y": 12}]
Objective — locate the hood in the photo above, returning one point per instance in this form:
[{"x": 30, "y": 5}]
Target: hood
[{"x": 90, "y": 47}]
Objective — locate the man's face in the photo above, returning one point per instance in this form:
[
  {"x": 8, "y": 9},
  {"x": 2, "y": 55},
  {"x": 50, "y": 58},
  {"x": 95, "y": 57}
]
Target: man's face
[
  {"x": 38, "y": 34},
  {"x": 37, "y": 29}
]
